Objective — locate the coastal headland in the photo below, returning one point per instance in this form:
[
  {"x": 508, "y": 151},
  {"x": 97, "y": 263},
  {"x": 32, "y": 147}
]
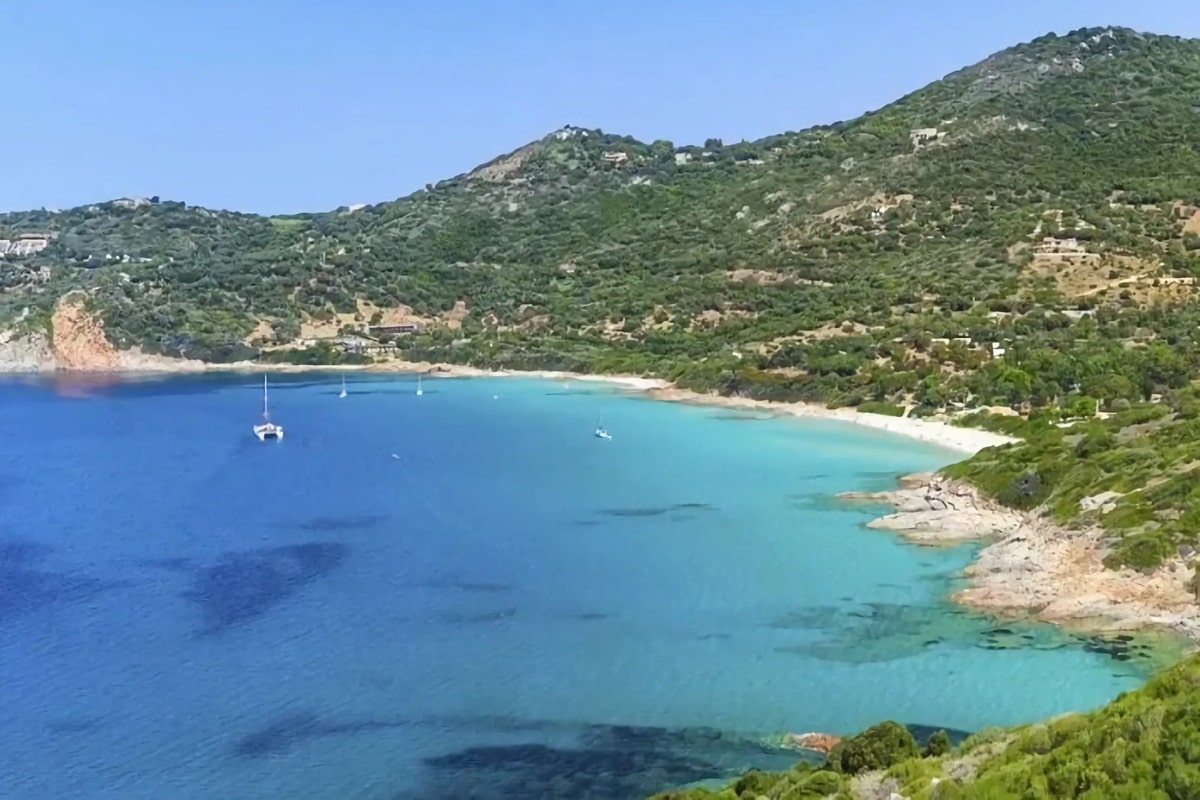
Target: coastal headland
[{"x": 1031, "y": 566}]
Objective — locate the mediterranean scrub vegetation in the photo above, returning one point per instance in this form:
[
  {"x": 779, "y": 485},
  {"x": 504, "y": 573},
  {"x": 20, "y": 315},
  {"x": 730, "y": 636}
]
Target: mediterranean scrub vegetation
[
  {"x": 1132, "y": 472},
  {"x": 1145, "y": 745}
]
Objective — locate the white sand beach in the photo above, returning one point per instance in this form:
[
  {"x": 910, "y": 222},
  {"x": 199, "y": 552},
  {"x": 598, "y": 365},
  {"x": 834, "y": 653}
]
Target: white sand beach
[
  {"x": 133, "y": 363},
  {"x": 942, "y": 434}
]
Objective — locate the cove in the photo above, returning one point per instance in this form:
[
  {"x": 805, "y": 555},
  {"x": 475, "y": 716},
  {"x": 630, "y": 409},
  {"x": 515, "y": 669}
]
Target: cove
[{"x": 467, "y": 592}]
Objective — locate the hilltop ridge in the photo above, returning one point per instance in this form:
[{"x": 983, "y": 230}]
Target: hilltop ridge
[{"x": 1056, "y": 173}]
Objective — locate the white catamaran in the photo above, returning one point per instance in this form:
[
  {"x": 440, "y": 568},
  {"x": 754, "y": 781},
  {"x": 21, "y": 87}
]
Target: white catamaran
[
  {"x": 343, "y": 394},
  {"x": 420, "y": 391},
  {"x": 268, "y": 429},
  {"x": 601, "y": 431}
]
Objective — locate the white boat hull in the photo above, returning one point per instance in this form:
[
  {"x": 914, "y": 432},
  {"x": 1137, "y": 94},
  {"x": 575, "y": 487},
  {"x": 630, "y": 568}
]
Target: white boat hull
[
  {"x": 268, "y": 429},
  {"x": 264, "y": 432}
]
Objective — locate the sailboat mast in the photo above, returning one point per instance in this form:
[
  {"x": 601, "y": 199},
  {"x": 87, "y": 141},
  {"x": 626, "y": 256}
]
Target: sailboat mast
[{"x": 265, "y": 414}]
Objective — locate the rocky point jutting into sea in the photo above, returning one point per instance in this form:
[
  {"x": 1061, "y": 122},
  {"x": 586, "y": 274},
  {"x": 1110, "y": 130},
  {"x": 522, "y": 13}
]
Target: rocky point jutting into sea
[{"x": 1031, "y": 566}]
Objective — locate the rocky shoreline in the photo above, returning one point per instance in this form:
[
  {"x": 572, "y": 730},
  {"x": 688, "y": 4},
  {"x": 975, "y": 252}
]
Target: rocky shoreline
[{"x": 1032, "y": 567}]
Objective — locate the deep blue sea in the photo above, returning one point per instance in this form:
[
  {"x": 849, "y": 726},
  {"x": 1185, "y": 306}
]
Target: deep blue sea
[{"x": 465, "y": 594}]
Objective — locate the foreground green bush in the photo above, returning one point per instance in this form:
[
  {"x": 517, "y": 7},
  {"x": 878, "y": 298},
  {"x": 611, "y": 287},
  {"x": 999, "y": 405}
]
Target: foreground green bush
[
  {"x": 1145, "y": 745},
  {"x": 878, "y": 747}
]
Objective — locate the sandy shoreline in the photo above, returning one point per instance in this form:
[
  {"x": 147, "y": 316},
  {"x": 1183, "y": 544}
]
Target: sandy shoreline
[
  {"x": 942, "y": 434},
  {"x": 950, "y": 437}
]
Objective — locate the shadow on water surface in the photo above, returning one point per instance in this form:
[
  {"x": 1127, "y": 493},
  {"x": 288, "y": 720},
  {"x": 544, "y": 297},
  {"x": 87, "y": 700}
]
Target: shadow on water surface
[
  {"x": 476, "y": 617},
  {"x": 675, "y": 512},
  {"x": 347, "y": 523},
  {"x": 25, "y": 588},
  {"x": 878, "y": 632},
  {"x": 529, "y": 758},
  {"x": 605, "y": 762},
  {"x": 653, "y": 511},
  {"x": 244, "y": 585},
  {"x": 471, "y": 587},
  {"x": 9, "y": 485},
  {"x": 285, "y": 732},
  {"x": 75, "y": 725}
]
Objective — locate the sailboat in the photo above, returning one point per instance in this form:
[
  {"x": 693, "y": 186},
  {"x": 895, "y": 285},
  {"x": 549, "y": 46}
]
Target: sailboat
[
  {"x": 601, "y": 432},
  {"x": 343, "y": 393},
  {"x": 420, "y": 391},
  {"x": 268, "y": 429}
]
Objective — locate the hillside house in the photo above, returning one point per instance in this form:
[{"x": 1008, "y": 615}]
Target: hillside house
[
  {"x": 361, "y": 346},
  {"x": 1053, "y": 246},
  {"x": 404, "y": 327},
  {"x": 923, "y": 136},
  {"x": 24, "y": 245}
]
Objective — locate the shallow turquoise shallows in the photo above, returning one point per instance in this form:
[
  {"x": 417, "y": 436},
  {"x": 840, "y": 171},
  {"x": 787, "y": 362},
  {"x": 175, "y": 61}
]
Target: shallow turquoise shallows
[{"x": 465, "y": 594}]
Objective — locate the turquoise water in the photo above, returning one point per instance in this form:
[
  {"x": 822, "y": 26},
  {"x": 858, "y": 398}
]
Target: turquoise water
[{"x": 465, "y": 594}]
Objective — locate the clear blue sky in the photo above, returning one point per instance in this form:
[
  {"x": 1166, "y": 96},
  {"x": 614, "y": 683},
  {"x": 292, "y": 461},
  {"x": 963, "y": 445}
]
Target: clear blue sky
[{"x": 293, "y": 105}]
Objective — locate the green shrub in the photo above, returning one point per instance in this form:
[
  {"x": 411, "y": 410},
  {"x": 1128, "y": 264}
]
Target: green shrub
[
  {"x": 1142, "y": 551},
  {"x": 878, "y": 747},
  {"x": 887, "y": 409},
  {"x": 755, "y": 783},
  {"x": 938, "y": 744}
]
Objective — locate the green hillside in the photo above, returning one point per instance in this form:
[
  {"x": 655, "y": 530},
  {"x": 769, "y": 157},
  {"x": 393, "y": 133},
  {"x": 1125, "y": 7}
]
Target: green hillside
[
  {"x": 1145, "y": 745},
  {"x": 822, "y": 264}
]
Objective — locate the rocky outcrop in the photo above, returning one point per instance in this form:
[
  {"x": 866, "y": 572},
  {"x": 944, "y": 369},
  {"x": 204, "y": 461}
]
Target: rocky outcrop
[
  {"x": 1033, "y": 566},
  {"x": 79, "y": 342},
  {"x": 818, "y": 742},
  {"x": 1058, "y": 575},
  {"x": 933, "y": 510},
  {"x": 25, "y": 353}
]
